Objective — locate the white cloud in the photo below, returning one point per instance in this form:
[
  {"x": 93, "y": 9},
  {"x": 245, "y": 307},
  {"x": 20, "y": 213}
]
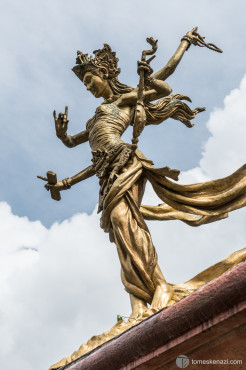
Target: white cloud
[
  {"x": 225, "y": 150},
  {"x": 62, "y": 285}
]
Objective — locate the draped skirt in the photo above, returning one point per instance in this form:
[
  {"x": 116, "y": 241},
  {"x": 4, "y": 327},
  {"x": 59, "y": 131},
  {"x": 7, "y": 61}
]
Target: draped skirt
[{"x": 123, "y": 216}]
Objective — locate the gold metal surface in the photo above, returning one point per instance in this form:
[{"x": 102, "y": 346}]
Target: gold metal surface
[{"x": 123, "y": 171}]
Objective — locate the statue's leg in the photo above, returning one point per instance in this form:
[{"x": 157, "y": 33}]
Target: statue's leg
[
  {"x": 135, "y": 249},
  {"x": 140, "y": 273}
]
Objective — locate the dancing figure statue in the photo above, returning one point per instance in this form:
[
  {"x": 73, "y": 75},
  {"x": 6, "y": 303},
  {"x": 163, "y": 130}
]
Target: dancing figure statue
[{"x": 123, "y": 170}]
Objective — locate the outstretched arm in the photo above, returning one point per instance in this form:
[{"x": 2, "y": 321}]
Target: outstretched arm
[
  {"x": 83, "y": 175},
  {"x": 172, "y": 64},
  {"x": 68, "y": 182},
  {"x": 61, "y": 123}
]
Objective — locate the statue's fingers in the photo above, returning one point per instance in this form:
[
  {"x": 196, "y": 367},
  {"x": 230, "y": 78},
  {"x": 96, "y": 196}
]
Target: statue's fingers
[
  {"x": 150, "y": 59},
  {"x": 198, "y": 36},
  {"x": 145, "y": 68},
  {"x": 54, "y": 115},
  {"x": 142, "y": 63},
  {"x": 64, "y": 125},
  {"x": 66, "y": 110},
  {"x": 64, "y": 128}
]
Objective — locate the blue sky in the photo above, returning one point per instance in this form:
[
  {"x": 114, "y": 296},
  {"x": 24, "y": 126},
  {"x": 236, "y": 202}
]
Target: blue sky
[{"x": 60, "y": 280}]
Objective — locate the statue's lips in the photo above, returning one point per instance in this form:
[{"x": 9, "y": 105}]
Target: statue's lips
[{"x": 93, "y": 92}]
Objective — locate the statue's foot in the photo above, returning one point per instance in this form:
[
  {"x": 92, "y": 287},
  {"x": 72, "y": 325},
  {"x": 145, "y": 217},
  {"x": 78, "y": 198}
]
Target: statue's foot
[
  {"x": 162, "y": 296},
  {"x": 138, "y": 307}
]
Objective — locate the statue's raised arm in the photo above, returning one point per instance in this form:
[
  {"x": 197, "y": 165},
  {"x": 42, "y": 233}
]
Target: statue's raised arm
[
  {"x": 54, "y": 186},
  {"x": 191, "y": 38}
]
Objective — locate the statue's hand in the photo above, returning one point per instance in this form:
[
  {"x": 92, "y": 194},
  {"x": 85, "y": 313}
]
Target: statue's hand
[
  {"x": 61, "y": 123},
  {"x": 60, "y": 185},
  {"x": 144, "y": 66},
  {"x": 195, "y": 37}
]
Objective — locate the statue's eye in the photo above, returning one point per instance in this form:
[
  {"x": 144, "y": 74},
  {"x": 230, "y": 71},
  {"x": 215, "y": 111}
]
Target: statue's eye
[{"x": 87, "y": 80}]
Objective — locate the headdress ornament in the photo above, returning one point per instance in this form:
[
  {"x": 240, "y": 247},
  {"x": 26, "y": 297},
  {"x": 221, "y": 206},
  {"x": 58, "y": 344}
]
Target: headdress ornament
[{"x": 105, "y": 60}]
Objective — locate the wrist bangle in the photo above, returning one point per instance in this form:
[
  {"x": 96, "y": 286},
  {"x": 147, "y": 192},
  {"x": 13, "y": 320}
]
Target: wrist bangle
[
  {"x": 188, "y": 39},
  {"x": 66, "y": 184},
  {"x": 62, "y": 136}
]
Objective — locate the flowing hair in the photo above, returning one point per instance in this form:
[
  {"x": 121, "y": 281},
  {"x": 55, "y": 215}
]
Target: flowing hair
[{"x": 168, "y": 107}]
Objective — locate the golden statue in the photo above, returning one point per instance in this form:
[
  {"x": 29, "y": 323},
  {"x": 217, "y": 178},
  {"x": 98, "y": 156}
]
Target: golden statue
[{"x": 123, "y": 171}]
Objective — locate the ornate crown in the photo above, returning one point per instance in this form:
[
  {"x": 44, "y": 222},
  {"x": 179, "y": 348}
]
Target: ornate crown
[{"x": 105, "y": 59}]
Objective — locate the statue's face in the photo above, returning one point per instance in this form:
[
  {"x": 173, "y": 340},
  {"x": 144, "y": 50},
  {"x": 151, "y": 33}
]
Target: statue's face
[{"x": 95, "y": 84}]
